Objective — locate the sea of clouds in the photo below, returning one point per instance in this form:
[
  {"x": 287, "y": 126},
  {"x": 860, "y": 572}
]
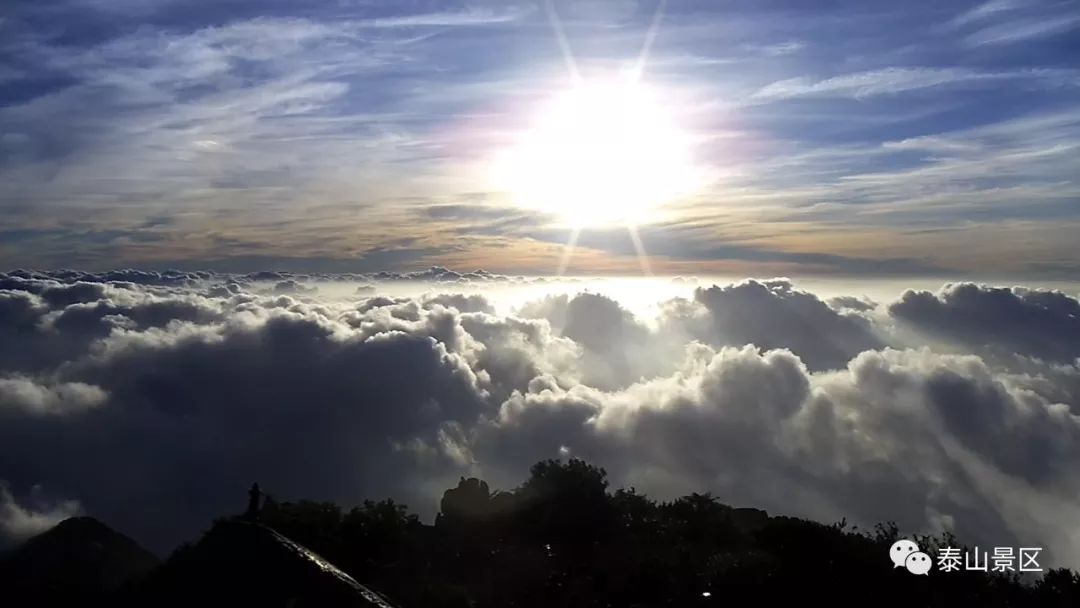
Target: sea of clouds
[{"x": 153, "y": 400}]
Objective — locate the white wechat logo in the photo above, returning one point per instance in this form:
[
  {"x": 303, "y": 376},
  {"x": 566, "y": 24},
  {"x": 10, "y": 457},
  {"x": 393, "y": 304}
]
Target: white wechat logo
[
  {"x": 918, "y": 563},
  {"x": 900, "y": 551},
  {"x": 906, "y": 554}
]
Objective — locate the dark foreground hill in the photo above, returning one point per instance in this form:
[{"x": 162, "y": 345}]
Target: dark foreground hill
[
  {"x": 79, "y": 558},
  {"x": 560, "y": 539},
  {"x": 239, "y": 563},
  {"x": 83, "y": 562}
]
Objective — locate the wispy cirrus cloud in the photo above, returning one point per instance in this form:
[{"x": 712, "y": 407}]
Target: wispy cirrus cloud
[
  {"x": 1001, "y": 22},
  {"x": 894, "y": 80},
  {"x": 479, "y": 16},
  {"x": 988, "y": 9},
  {"x": 1023, "y": 30}
]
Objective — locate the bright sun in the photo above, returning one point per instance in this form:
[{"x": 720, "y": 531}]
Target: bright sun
[{"x": 599, "y": 154}]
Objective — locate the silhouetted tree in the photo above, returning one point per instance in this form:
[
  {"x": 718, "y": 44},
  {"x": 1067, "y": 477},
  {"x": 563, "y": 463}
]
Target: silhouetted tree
[
  {"x": 469, "y": 501},
  {"x": 384, "y": 530},
  {"x": 565, "y": 503}
]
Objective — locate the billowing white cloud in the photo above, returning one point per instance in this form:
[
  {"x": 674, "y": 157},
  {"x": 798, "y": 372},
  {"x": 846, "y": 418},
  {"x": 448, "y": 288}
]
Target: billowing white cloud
[
  {"x": 21, "y": 521},
  {"x": 31, "y": 396}
]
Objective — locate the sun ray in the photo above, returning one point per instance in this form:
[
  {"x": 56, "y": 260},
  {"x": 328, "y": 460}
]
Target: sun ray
[
  {"x": 568, "y": 250},
  {"x": 639, "y": 247},
  {"x": 564, "y": 44},
  {"x": 650, "y": 37},
  {"x": 639, "y": 70}
]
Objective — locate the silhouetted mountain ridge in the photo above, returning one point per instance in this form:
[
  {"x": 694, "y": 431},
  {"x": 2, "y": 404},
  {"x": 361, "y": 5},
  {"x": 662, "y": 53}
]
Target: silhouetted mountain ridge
[{"x": 560, "y": 539}]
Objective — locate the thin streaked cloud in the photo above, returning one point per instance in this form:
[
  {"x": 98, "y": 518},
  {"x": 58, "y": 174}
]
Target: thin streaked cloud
[
  {"x": 893, "y": 80},
  {"x": 1028, "y": 29}
]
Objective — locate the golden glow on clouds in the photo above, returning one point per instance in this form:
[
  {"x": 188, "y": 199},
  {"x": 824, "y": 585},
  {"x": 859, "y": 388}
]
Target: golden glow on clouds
[{"x": 600, "y": 153}]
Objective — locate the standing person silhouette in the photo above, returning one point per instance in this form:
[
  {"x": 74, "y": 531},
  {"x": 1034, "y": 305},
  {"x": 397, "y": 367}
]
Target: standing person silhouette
[{"x": 254, "y": 497}]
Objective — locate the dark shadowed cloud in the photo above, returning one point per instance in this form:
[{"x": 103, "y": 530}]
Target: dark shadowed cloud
[
  {"x": 1044, "y": 324},
  {"x": 774, "y": 314}
]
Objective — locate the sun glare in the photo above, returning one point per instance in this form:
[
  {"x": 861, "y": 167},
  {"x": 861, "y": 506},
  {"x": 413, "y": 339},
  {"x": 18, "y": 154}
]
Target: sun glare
[{"x": 601, "y": 153}]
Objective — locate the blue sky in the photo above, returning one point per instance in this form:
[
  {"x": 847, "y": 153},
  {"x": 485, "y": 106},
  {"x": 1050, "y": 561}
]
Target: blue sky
[{"x": 862, "y": 138}]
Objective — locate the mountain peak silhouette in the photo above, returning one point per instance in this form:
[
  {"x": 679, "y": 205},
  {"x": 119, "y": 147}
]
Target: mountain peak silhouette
[
  {"x": 245, "y": 563},
  {"x": 77, "y": 558}
]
